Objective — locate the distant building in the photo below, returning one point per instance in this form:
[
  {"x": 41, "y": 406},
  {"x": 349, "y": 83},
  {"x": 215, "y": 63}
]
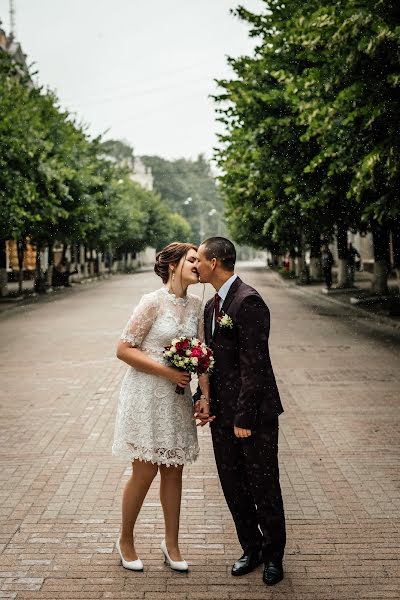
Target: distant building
[
  {"x": 13, "y": 48},
  {"x": 142, "y": 174}
]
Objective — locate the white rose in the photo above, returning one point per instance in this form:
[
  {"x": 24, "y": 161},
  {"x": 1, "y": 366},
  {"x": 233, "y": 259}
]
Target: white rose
[{"x": 195, "y": 360}]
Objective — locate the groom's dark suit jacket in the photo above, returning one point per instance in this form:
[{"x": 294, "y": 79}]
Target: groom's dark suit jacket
[{"x": 243, "y": 389}]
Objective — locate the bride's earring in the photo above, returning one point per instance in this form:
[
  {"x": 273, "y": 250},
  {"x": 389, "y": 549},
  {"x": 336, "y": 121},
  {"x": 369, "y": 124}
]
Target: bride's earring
[{"x": 171, "y": 288}]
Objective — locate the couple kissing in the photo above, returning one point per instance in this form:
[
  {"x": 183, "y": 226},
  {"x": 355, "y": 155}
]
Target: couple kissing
[{"x": 155, "y": 428}]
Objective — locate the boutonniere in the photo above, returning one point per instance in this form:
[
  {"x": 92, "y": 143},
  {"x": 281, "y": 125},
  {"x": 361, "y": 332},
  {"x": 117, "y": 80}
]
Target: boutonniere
[{"x": 225, "y": 321}]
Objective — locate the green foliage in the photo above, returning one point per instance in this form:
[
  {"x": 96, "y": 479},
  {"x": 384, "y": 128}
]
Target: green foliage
[
  {"x": 56, "y": 183},
  {"x": 311, "y": 122},
  {"x": 178, "y": 180},
  {"x": 119, "y": 150},
  {"x": 29, "y": 177}
]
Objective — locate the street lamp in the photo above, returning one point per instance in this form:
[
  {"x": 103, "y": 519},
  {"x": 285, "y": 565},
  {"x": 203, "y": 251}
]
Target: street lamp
[{"x": 213, "y": 212}]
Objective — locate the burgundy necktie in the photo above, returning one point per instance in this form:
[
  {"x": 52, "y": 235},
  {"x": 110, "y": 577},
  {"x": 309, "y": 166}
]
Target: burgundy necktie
[{"x": 216, "y": 309}]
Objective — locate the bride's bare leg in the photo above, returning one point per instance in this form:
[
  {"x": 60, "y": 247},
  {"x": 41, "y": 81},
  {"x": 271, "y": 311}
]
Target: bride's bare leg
[
  {"x": 170, "y": 496},
  {"x": 133, "y": 496}
]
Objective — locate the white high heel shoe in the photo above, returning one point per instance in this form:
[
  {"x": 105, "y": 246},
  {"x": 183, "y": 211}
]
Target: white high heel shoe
[
  {"x": 132, "y": 565},
  {"x": 175, "y": 565}
]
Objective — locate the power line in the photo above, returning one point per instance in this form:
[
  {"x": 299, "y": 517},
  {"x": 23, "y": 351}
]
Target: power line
[
  {"x": 151, "y": 80},
  {"x": 137, "y": 94}
]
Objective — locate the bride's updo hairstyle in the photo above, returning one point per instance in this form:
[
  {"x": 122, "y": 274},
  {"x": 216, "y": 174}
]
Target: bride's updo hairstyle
[{"x": 170, "y": 255}]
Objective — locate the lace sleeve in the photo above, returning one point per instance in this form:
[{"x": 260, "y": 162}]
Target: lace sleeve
[{"x": 141, "y": 320}]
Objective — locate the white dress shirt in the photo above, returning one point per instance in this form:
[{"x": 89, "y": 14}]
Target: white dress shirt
[{"x": 222, "y": 293}]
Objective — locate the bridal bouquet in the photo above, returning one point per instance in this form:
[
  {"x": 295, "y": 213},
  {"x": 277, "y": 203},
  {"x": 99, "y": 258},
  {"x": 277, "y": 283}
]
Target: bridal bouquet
[{"x": 189, "y": 354}]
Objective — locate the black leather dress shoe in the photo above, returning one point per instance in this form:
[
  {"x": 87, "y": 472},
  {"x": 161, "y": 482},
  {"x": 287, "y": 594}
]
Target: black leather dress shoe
[
  {"x": 247, "y": 563},
  {"x": 273, "y": 572}
]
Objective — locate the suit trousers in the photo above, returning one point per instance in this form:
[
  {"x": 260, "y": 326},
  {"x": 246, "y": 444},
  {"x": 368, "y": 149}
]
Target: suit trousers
[{"x": 249, "y": 473}]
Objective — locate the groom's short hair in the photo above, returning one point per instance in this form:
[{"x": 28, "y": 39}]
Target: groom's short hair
[{"x": 221, "y": 249}]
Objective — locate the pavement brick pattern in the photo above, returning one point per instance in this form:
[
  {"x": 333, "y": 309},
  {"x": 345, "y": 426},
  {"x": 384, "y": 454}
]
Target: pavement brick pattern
[{"x": 60, "y": 491}]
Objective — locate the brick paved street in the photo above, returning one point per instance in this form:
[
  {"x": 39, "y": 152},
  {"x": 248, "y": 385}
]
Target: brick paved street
[{"x": 339, "y": 376}]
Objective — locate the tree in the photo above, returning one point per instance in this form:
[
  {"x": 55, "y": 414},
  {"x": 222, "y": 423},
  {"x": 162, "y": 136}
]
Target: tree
[
  {"x": 177, "y": 181},
  {"x": 120, "y": 150},
  {"x": 29, "y": 178},
  {"x": 58, "y": 184},
  {"x": 270, "y": 198},
  {"x": 322, "y": 90},
  {"x": 348, "y": 100}
]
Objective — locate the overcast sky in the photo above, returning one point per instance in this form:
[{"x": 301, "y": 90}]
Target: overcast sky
[{"x": 141, "y": 69}]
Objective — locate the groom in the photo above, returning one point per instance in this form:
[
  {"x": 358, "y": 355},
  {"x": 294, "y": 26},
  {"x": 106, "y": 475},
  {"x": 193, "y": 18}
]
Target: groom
[{"x": 246, "y": 404}]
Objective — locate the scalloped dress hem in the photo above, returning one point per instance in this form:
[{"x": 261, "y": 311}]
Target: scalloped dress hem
[{"x": 147, "y": 455}]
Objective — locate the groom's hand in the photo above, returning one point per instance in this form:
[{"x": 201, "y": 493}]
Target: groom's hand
[
  {"x": 202, "y": 413},
  {"x": 242, "y": 433}
]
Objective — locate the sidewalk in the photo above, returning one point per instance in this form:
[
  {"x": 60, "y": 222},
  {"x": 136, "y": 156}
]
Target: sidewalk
[
  {"x": 359, "y": 298},
  {"x": 60, "y": 492},
  {"x": 29, "y": 297}
]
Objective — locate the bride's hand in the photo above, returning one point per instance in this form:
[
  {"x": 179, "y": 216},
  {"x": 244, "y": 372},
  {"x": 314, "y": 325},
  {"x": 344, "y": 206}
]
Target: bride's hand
[
  {"x": 202, "y": 412},
  {"x": 181, "y": 378},
  {"x": 202, "y": 407}
]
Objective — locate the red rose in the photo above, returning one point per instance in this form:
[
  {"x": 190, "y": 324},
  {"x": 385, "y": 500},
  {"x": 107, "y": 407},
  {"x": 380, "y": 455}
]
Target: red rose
[
  {"x": 182, "y": 346},
  {"x": 196, "y": 352}
]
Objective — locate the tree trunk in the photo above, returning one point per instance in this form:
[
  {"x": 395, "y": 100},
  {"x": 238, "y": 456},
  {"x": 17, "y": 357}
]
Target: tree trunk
[
  {"x": 50, "y": 267},
  {"x": 379, "y": 282},
  {"x": 380, "y": 235},
  {"x": 303, "y": 267},
  {"x": 85, "y": 263},
  {"x": 91, "y": 263},
  {"x": 315, "y": 268},
  {"x": 40, "y": 280},
  {"x": 343, "y": 265},
  {"x": 315, "y": 258},
  {"x": 292, "y": 260},
  {"x": 108, "y": 259},
  {"x": 20, "y": 254},
  {"x": 76, "y": 260},
  {"x": 81, "y": 260},
  {"x": 298, "y": 265},
  {"x": 100, "y": 263},
  {"x": 3, "y": 269}
]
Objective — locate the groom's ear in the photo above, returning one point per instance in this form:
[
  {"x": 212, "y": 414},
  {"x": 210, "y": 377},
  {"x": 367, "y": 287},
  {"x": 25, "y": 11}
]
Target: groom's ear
[{"x": 213, "y": 263}]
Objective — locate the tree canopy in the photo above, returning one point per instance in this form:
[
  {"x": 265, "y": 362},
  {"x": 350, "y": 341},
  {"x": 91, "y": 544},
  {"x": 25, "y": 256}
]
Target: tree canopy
[
  {"x": 177, "y": 181},
  {"x": 58, "y": 183},
  {"x": 311, "y": 141}
]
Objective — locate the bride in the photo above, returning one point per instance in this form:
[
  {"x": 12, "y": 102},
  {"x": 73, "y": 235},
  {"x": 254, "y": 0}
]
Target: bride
[{"x": 155, "y": 427}]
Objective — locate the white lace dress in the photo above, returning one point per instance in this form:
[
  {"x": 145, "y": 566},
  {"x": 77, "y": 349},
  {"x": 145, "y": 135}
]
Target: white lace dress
[{"x": 153, "y": 422}]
